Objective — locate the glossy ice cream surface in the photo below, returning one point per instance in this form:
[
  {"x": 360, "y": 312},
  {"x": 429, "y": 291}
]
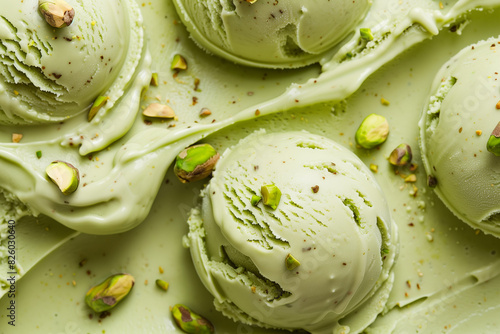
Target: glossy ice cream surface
[
  {"x": 447, "y": 274},
  {"x": 332, "y": 218},
  {"x": 275, "y": 34},
  {"x": 455, "y": 129}
]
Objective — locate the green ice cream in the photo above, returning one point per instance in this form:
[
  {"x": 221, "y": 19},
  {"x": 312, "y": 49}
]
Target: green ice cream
[
  {"x": 276, "y": 34},
  {"x": 321, "y": 260},
  {"x": 455, "y": 128},
  {"x": 49, "y": 74}
]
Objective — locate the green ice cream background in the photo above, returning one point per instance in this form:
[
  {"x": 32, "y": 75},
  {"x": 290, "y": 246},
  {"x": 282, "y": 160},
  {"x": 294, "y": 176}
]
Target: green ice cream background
[{"x": 340, "y": 77}]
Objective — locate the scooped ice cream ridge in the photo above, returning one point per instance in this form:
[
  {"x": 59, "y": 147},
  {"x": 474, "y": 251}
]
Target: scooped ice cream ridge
[{"x": 320, "y": 257}]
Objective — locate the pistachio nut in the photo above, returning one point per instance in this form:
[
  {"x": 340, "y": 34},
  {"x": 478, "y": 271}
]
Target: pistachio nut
[
  {"x": 372, "y": 132},
  {"x": 493, "y": 145},
  {"x": 178, "y": 63},
  {"x": 162, "y": 284},
  {"x": 195, "y": 163},
  {"x": 291, "y": 262},
  {"x": 401, "y": 155},
  {"x": 57, "y": 13},
  {"x": 157, "y": 110},
  {"x": 106, "y": 295},
  {"x": 191, "y": 322},
  {"x": 271, "y": 195},
  {"x": 39, "y": 154},
  {"x": 366, "y": 34},
  {"x": 98, "y": 104},
  {"x": 64, "y": 175},
  {"x": 255, "y": 200},
  {"x": 154, "y": 80}
]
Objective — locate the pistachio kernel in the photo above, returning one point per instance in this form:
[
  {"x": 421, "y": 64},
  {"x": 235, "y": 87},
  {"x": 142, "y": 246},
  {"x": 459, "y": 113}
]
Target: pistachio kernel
[
  {"x": 195, "y": 163},
  {"x": 154, "y": 80},
  {"x": 162, "y": 284},
  {"x": 191, "y": 322},
  {"x": 109, "y": 293},
  {"x": 366, "y": 34},
  {"x": 291, "y": 263},
  {"x": 401, "y": 155},
  {"x": 255, "y": 200},
  {"x": 493, "y": 144},
  {"x": 271, "y": 195},
  {"x": 157, "y": 110},
  {"x": 57, "y": 13},
  {"x": 64, "y": 175},
  {"x": 98, "y": 104},
  {"x": 372, "y": 132},
  {"x": 39, "y": 154},
  {"x": 178, "y": 63}
]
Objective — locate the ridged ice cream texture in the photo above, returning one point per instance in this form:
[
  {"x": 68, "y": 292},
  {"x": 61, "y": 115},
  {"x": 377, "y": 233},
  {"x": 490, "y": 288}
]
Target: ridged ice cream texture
[
  {"x": 49, "y": 74},
  {"x": 276, "y": 34},
  {"x": 342, "y": 235},
  {"x": 464, "y": 96}
]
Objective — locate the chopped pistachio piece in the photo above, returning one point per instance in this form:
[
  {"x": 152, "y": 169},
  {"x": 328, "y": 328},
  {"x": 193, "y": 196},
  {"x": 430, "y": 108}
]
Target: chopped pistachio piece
[
  {"x": 374, "y": 168},
  {"x": 255, "y": 200},
  {"x": 107, "y": 294},
  {"x": 157, "y": 110},
  {"x": 191, "y": 322},
  {"x": 432, "y": 181},
  {"x": 372, "y": 132},
  {"x": 291, "y": 262},
  {"x": 154, "y": 80},
  {"x": 411, "y": 178},
  {"x": 16, "y": 137},
  {"x": 251, "y": 1},
  {"x": 57, "y": 13},
  {"x": 98, "y": 104},
  {"x": 64, "y": 175},
  {"x": 162, "y": 284},
  {"x": 205, "y": 112},
  {"x": 195, "y": 163},
  {"x": 39, "y": 154},
  {"x": 493, "y": 144},
  {"x": 178, "y": 63},
  {"x": 401, "y": 155},
  {"x": 271, "y": 195},
  {"x": 366, "y": 34}
]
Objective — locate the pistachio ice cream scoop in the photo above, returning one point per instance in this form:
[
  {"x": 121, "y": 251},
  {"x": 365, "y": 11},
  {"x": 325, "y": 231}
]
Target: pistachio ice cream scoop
[
  {"x": 276, "y": 34},
  {"x": 456, "y": 128},
  {"x": 294, "y": 233},
  {"x": 50, "y": 74}
]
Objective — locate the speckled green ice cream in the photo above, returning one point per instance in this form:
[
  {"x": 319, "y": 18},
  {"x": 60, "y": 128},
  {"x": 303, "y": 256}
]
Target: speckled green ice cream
[
  {"x": 455, "y": 128},
  {"x": 332, "y": 222}
]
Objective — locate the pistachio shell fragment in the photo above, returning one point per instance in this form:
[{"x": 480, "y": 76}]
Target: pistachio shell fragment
[
  {"x": 493, "y": 144},
  {"x": 401, "y": 155},
  {"x": 271, "y": 195},
  {"x": 64, "y": 175},
  {"x": 98, "y": 104},
  {"x": 195, "y": 163},
  {"x": 157, "y": 110},
  {"x": 162, "y": 284},
  {"x": 366, "y": 34},
  {"x": 57, "y": 13},
  {"x": 191, "y": 322},
  {"x": 178, "y": 63},
  {"x": 106, "y": 295},
  {"x": 372, "y": 132},
  {"x": 291, "y": 262}
]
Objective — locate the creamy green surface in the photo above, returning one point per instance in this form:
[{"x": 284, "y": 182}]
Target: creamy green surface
[
  {"x": 342, "y": 235},
  {"x": 438, "y": 251}
]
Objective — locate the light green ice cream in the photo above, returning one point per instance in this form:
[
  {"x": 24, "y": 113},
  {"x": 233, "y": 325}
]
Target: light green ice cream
[
  {"x": 49, "y": 74},
  {"x": 276, "y": 34},
  {"x": 341, "y": 233},
  {"x": 466, "y": 91}
]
